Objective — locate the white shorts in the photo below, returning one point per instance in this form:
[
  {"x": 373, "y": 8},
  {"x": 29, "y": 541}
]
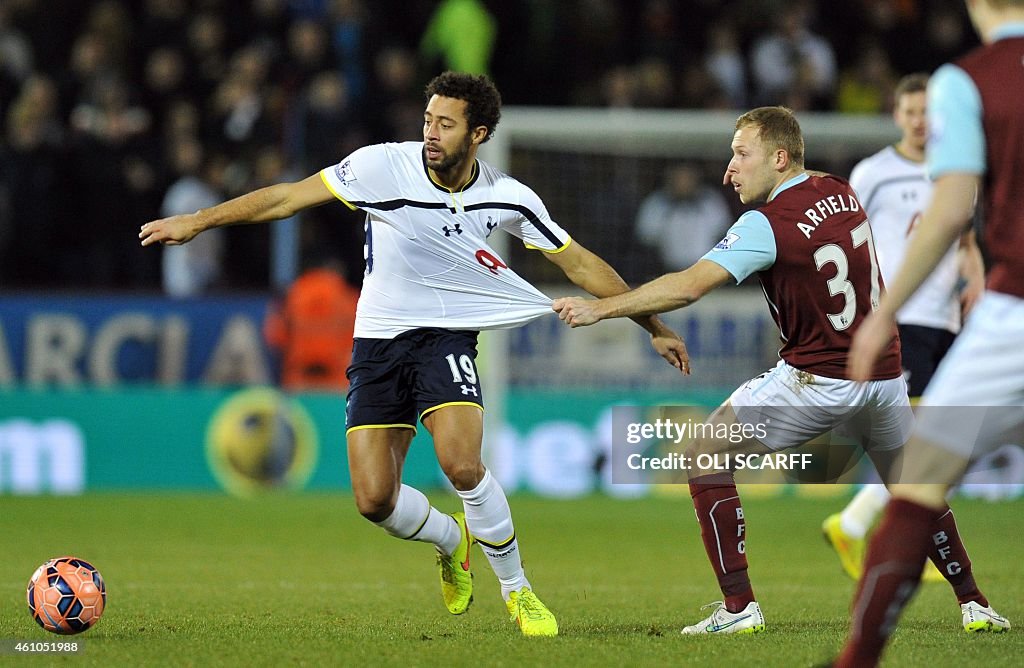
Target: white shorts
[
  {"x": 975, "y": 402},
  {"x": 794, "y": 407}
]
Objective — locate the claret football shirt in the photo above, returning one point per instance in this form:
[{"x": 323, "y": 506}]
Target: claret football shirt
[{"x": 811, "y": 247}]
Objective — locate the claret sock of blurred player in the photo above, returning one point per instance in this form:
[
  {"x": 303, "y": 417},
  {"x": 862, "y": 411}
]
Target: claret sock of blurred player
[{"x": 898, "y": 551}]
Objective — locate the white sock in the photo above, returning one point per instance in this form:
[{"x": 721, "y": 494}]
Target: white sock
[
  {"x": 862, "y": 511},
  {"x": 415, "y": 519},
  {"x": 490, "y": 521}
]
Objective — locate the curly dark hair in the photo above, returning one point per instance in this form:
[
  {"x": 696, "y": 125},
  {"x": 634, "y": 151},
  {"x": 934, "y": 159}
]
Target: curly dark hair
[{"x": 483, "y": 101}]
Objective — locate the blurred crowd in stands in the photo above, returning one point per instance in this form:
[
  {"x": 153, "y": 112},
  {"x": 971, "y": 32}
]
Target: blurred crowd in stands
[{"x": 115, "y": 112}]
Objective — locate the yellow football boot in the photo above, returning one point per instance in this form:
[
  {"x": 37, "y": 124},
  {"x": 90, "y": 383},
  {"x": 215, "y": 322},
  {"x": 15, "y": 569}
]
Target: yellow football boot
[
  {"x": 850, "y": 550},
  {"x": 532, "y": 616},
  {"x": 456, "y": 579}
]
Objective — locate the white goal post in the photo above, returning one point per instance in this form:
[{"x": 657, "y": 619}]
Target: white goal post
[{"x": 667, "y": 133}]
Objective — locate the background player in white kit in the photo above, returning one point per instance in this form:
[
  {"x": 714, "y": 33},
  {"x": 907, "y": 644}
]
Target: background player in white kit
[
  {"x": 894, "y": 189},
  {"x": 432, "y": 282}
]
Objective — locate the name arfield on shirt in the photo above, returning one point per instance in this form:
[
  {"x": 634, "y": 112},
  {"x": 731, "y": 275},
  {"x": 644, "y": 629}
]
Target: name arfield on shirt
[{"x": 825, "y": 207}]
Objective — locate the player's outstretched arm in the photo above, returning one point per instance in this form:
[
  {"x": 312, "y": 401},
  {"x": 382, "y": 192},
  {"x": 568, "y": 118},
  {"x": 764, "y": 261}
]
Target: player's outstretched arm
[
  {"x": 590, "y": 272},
  {"x": 663, "y": 294},
  {"x": 271, "y": 203}
]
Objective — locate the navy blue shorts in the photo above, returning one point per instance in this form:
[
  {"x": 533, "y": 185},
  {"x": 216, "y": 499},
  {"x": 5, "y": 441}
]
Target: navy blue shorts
[
  {"x": 922, "y": 349},
  {"x": 394, "y": 382}
]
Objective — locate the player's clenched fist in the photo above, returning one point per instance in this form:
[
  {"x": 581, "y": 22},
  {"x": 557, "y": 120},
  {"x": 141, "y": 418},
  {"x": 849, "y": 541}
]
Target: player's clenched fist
[
  {"x": 171, "y": 231},
  {"x": 576, "y": 311}
]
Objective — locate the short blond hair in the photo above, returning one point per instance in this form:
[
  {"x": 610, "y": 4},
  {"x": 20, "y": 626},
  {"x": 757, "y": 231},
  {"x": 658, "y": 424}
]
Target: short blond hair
[{"x": 777, "y": 129}]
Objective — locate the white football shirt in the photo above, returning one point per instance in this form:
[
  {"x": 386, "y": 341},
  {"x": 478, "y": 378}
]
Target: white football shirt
[
  {"x": 894, "y": 191},
  {"x": 428, "y": 261}
]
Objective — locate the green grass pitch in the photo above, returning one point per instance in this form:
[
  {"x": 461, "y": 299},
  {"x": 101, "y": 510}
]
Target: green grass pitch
[{"x": 303, "y": 580}]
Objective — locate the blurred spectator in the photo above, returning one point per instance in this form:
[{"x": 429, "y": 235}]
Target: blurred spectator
[
  {"x": 49, "y": 27},
  {"x": 536, "y": 23},
  {"x": 700, "y": 90},
  {"x": 348, "y": 33},
  {"x": 461, "y": 36},
  {"x": 191, "y": 270},
  {"x": 206, "y": 52},
  {"x": 163, "y": 24},
  {"x": 107, "y": 114},
  {"x": 37, "y": 106},
  {"x": 111, "y": 162},
  {"x": 792, "y": 65},
  {"x": 327, "y": 117},
  {"x": 248, "y": 263},
  {"x": 111, "y": 22},
  {"x": 654, "y": 83},
  {"x": 181, "y": 120},
  {"x": 590, "y": 53},
  {"x": 164, "y": 81},
  {"x": 32, "y": 168},
  {"x": 313, "y": 327},
  {"x": 305, "y": 80},
  {"x": 684, "y": 219},
  {"x": 947, "y": 30},
  {"x": 15, "y": 58},
  {"x": 266, "y": 24},
  {"x": 726, "y": 65},
  {"x": 90, "y": 60},
  {"x": 309, "y": 52},
  {"x": 243, "y": 109},
  {"x": 619, "y": 88},
  {"x": 659, "y": 34},
  {"x": 865, "y": 88},
  {"x": 895, "y": 25},
  {"x": 308, "y": 9},
  {"x": 397, "y": 100}
]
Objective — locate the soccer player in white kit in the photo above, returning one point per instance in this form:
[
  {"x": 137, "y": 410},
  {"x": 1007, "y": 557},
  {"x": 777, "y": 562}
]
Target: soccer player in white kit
[
  {"x": 894, "y": 189},
  {"x": 432, "y": 283}
]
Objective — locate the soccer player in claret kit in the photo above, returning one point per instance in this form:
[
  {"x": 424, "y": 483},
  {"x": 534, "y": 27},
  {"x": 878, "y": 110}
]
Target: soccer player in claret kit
[
  {"x": 432, "y": 283},
  {"x": 975, "y": 403},
  {"x": 894, "y": 188},
  {"x": 810, "y": 245}
]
